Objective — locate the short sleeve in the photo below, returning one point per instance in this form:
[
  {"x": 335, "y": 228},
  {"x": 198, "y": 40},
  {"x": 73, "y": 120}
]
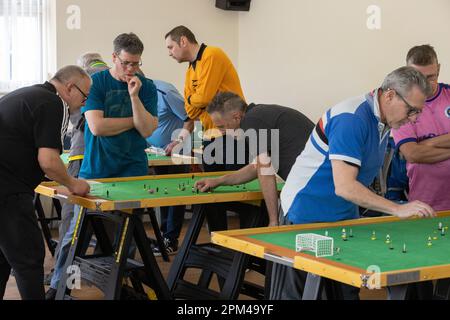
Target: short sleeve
[
  {"x": 96, "y": 98},
  {"x": 48, "y": 122},
  {"x": 405, "y": 133},
  {"x": 346, "y": 138},
  {"x": 149, "y": 96},
  {"x": 176, "y": 103},
  {"x": 257, "y": 134}
]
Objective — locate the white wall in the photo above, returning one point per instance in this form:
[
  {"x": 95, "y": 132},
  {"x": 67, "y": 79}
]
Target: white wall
[
  {"x": 310, "y": 54},
  {"x": 306, "y": 54},
  {"x": 103, "y": 20}
]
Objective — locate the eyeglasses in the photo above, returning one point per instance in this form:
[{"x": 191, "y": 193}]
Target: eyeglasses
[
  {"x": 432, "y": 77},
  {"x": 412, "y": 111},
  {"x": 126, "y": 64},
  {"x": 85, "y": 97}
]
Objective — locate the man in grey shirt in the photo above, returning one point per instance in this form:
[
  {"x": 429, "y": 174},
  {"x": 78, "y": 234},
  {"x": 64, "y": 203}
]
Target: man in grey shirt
[{"x": 285, "y": 130}]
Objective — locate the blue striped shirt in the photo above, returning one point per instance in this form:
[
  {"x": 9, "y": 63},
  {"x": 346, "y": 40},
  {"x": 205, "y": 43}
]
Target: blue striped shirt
[{"x": 352, "y": 132}]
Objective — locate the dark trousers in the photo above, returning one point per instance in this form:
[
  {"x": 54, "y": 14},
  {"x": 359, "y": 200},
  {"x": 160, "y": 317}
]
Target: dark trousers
[
  {"x": 172, "y": 217},
  {"x": 21, "y": 246},
  {"x": 216, "y": 214}
]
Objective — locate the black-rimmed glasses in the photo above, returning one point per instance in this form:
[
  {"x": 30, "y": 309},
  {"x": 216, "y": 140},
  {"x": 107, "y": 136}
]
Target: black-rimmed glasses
[
  {"x": 412, "y": 111},
  {"x": 128, "y": 63},
  {"x": 85, "y": 97}
]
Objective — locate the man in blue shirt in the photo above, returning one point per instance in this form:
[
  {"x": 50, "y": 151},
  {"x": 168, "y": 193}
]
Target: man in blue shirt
[
  {"x": 120, "y": 113},
  {"x": 171, "y": 114},
  {"x": 171, "y": 118},
  {"x": 341, "y": 158}
]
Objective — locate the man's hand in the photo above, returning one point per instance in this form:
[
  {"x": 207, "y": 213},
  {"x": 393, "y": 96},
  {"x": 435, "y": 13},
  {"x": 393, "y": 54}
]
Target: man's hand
[
  {"x": 273, "y": 223},
  {"x": 170, "y": 147},
  {"x": 134, "y": 85},
  {"x": 206, "y": 185},
  {"x": 415, "y": 208},
  {"x": 79, "y": 187}
]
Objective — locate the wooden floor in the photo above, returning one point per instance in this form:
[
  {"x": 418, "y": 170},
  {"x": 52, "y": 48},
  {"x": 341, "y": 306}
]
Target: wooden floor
[{"x": 91, "y": 293}]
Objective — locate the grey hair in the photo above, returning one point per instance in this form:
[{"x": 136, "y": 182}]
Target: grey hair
[
  {"x": 226, "y": 101},
  {"x": 404, "y": 79},
  {"x": 92, "y": 62},
  {"x": 70, "y": 73}
]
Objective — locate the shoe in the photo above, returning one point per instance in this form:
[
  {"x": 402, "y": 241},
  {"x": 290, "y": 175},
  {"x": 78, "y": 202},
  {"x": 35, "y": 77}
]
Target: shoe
[
  {"x": 48, "y": 278},
  {"x": 50, "y": 294},
  {"x": 171, "y": 247}
]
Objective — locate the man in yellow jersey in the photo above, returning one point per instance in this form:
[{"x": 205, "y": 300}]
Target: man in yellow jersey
[{"x": 210, "y": 71}]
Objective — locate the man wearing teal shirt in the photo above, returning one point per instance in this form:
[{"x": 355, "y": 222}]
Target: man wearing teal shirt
[{"x": 120, "y": 113}]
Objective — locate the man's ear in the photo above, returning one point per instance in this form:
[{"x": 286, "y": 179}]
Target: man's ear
[
  {"x": 183, "y": 41},
  {"x": 236, "y": 114},
  {"x": 389, "y": 94}
]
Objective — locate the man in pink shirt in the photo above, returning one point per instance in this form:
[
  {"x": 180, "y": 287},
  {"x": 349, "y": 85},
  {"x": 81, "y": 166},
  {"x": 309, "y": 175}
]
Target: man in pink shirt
[{"x": 426, "y": 142}]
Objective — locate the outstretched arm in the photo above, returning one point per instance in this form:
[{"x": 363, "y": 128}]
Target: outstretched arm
[{"x": 347, "y": 187}]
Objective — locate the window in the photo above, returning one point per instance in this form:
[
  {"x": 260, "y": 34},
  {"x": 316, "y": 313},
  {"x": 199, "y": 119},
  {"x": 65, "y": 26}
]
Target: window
[{"x": 24, "y": 43}]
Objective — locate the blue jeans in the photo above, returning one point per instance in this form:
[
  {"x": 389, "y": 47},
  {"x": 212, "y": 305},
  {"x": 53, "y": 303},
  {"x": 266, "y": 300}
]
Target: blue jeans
[{"x": 64, "y": 249}]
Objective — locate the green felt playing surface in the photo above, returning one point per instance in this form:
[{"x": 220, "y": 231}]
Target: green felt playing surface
[
  {"x": 150, "y": 156},
  {"x": 361, "y": 252},
  {"x": 134, "y": 190}
]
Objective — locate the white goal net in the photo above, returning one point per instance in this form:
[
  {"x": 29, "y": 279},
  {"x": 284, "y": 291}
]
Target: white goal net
[{"x": 322, "y": 246}]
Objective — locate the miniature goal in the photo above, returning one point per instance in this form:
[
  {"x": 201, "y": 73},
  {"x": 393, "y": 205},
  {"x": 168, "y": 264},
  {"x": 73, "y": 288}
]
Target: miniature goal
[{"x": 322, "y": 246}]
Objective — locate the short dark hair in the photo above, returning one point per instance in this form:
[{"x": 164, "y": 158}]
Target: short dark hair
[
  {"x": 128, "y": 42},
  {"x": 224, "y": 102},
  {"x": 181, "y": 31},
  {"x": 423, "y": 55}
]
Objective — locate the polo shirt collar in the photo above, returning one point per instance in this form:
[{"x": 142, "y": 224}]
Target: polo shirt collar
[
  {"x": 372, "y": 100},
  {"x": 199, "y": 55},
  {"x": 438, "y": 93}
]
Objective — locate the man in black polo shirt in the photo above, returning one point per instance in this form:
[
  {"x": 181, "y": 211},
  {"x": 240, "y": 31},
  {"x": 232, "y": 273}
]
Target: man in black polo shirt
[
  {"x": 285, "y": 130},
  {"x": 33, "y": 121}
]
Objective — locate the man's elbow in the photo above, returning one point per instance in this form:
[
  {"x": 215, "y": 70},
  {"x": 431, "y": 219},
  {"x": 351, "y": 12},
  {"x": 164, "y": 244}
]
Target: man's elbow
[
  {"x": 343, "y": 191},
  {"x": 412, "y": 157},
  {"x": 95, "y": 130},
  {"x": 146, "y": 133},
  {"x": 148, "y": 130},
  {"x": 46, "y": 163},
  {"x": 412, "y": 153}
]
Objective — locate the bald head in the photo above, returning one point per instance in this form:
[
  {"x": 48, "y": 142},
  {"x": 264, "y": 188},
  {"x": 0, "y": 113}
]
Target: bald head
[
  {"x": 70, "y": 73},
  {"x": 73, "y": 85}
]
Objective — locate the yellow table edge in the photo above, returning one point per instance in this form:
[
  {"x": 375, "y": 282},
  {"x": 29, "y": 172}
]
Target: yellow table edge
[
  {"x": 324, "y": 268},
  {"x": 54, "y": 190}
]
